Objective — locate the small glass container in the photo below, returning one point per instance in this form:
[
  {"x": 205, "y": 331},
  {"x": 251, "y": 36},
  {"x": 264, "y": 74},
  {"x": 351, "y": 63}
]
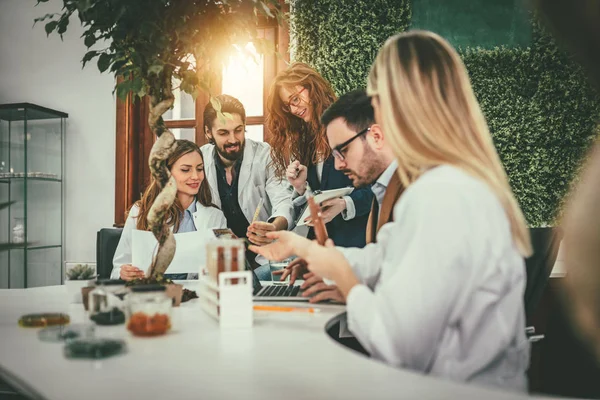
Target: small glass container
[
  {"x": 149, "y": 310},
  {"x": 43, "y": 320},
  {"x": 277, "y": 268},
  {"x": 105, "y": 307},
  {"x": 18, "y": 230}
]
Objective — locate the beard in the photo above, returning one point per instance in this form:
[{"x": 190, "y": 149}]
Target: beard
[
  {"x": 358, "y": 181},
  {"x": 229, "y": 155},
  {"x": 370, "y": 169}
]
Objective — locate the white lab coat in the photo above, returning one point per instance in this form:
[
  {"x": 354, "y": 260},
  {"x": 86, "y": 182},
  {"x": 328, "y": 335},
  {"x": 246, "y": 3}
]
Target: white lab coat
[
  {"x": 204, "y": 218},
  {"x": 443, "y": 286},
  {"x": 257, "y": 180}
]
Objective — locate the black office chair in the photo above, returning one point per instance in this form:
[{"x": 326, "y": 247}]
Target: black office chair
[
  {"x": 545, "y": 243},
  {"x": 107, "y": 240}
]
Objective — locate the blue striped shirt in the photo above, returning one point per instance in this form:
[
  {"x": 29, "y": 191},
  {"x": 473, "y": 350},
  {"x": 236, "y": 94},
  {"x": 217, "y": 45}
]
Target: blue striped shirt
[{"x": 187, "y": 222}]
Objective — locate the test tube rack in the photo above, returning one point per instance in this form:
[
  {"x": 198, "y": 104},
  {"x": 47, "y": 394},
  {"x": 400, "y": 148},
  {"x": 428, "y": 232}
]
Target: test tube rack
[{"x": 228, "y": 300}]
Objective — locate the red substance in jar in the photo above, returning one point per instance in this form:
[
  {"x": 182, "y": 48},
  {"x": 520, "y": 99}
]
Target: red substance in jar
[{"x": 141, "y": 324}]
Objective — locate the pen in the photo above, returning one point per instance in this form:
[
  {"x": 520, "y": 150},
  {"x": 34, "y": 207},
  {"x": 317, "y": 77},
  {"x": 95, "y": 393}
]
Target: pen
[
  {"x": 287, "y": 309},
  {"x": 315, "y": 215},
  {"x": 260, "y": 203}
]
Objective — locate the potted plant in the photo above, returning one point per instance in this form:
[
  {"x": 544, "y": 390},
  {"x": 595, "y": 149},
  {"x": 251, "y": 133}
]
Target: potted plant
[
  {"x": 78, "y": 277},
  {"x": 174, "y": 290}
]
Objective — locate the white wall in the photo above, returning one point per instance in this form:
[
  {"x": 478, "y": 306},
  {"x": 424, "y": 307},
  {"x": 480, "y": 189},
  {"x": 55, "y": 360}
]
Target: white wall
[{"x": 47, "y": 71}]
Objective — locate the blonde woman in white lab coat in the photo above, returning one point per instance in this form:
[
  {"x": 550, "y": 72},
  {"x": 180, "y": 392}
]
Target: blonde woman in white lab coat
[
  {"x": 193, "y": 209},
  {"x": 444, "y": 293}
]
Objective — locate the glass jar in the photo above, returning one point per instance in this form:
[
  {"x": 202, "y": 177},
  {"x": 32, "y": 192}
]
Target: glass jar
[
  {"x": 224, "y": 255},
  {"x": 149, "y": 310},
  {"x": 105, "y": 306},
  {"x": 18, "y": 230}
]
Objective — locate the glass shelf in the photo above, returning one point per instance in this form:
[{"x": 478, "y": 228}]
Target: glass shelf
[
  {"x": 8, "y": 180},
  {"x": 31, "y": 177},
  {"x": 32, "y": 247}
]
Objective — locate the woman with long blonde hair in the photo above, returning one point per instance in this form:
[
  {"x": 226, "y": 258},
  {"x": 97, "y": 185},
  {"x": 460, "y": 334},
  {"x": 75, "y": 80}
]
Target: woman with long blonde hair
[
  {"x": 300, "y": 152},
  {"x": 448, "y": 295}
]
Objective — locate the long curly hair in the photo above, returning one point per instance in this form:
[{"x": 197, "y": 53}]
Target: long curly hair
[
  {"x": 291, "y": 137},
  {"x": 176, "y": 210}
]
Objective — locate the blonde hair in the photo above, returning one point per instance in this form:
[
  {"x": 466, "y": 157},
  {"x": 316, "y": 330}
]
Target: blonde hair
[{"x": 432, "y": 117}]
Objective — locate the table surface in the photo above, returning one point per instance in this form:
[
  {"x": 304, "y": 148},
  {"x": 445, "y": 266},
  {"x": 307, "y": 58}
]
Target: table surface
[{"x": 284, "y": 355}]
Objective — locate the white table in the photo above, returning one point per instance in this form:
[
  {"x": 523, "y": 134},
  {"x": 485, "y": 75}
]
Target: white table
[{"x": 284, "y": 356}]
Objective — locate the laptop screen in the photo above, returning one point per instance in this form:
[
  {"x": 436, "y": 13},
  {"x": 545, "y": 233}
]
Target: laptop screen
[{"x": 255, "y": 282}]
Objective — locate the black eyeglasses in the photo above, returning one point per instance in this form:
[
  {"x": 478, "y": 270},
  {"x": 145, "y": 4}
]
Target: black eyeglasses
[
  {"x": 294, "y": 101},
  {"x": 337, "y": 150}
]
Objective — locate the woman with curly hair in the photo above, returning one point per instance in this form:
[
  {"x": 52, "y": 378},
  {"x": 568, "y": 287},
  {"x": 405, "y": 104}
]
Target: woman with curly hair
[{"x": 300, "y": 151}]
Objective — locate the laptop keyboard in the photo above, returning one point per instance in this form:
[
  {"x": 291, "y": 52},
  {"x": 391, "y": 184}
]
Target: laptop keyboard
[{"x": 279, "y": 291}]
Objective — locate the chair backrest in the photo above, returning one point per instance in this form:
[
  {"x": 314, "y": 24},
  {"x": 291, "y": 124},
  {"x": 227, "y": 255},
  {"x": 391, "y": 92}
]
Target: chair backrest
[
  {"x": 107, "y": 240},
  {"x": 545, "y": 242}
]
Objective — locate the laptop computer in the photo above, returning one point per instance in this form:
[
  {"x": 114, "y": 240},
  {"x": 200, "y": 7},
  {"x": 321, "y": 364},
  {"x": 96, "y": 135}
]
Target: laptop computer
[{"x": 274, "y": 292}]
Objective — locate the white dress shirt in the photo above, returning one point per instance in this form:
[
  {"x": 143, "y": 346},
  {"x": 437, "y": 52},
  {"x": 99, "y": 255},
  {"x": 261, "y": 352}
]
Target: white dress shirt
[
  {"x": 443, "y": 285},
  {"x": 203, "y": 218},
  {"x": 381, "y": 184},
  {"x": 257, "y": 181}
]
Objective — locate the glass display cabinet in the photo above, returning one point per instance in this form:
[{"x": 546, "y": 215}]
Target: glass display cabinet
[{"x": 32, "y": 143}]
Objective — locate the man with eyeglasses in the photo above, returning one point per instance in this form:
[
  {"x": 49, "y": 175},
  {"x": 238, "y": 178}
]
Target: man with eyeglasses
[
  {"x": 240, "y": 175},
  {"x": 361, "y": 153}
]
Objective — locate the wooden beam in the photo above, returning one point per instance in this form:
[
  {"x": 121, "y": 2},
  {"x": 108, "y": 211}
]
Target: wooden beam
[
  {"x": 255, "y": 120},
  {"x": 269, "y": 73},
  {"x": 184, "y": 123},
  {"x": 134, "y": 141}
]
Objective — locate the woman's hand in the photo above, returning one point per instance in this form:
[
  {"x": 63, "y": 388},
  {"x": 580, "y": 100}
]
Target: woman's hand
[
  {"x": 285, "y": 244},
  {"x": 324, "y": 261},
  {"x": 128, "y": 272},
  {"x": 329, "y": 263},
  {"x": 296, "y": 174}
]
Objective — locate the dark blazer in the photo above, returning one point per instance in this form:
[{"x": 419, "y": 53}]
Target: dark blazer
[{"x": 350, "y": 233}]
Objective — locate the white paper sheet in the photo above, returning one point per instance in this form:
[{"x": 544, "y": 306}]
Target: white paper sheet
[{"x": 190, "y": 253}]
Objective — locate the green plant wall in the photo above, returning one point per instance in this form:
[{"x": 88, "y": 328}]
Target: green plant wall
[
  {"x": 539, "y": 106},
  {"x": 340, "y": 38}
]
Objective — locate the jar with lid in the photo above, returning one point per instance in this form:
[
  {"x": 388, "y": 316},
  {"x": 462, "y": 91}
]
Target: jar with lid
[
  {"x": 149, "y": 310},
  {"x": 105, "y": 305}
]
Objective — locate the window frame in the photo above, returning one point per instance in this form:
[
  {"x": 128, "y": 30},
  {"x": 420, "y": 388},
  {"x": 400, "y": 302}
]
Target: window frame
[{"x": 134, "y": 139}]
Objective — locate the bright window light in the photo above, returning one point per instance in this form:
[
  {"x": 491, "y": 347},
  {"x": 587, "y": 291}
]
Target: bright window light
[{"x": 243, "y": 79}]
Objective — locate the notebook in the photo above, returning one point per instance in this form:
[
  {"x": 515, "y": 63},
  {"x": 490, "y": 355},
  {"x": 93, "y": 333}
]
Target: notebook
[{"x": 321, "y": 197}]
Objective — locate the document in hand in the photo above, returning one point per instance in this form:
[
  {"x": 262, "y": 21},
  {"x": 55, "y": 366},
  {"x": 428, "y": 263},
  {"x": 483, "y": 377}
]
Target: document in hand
[
  {"x": 321, "y": 197},
  {"x": 190, "y": 253}
]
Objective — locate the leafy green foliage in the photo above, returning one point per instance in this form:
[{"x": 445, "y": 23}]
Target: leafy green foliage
[
  {"x": 158, "y": 279},
  {"x": 541, "y": 111},
  {"x": 150, "y": 42},
  {"x": 340, "y": 39},
  {"x": 80, "y": 272},
  {"x": 543, "y": 116}
]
